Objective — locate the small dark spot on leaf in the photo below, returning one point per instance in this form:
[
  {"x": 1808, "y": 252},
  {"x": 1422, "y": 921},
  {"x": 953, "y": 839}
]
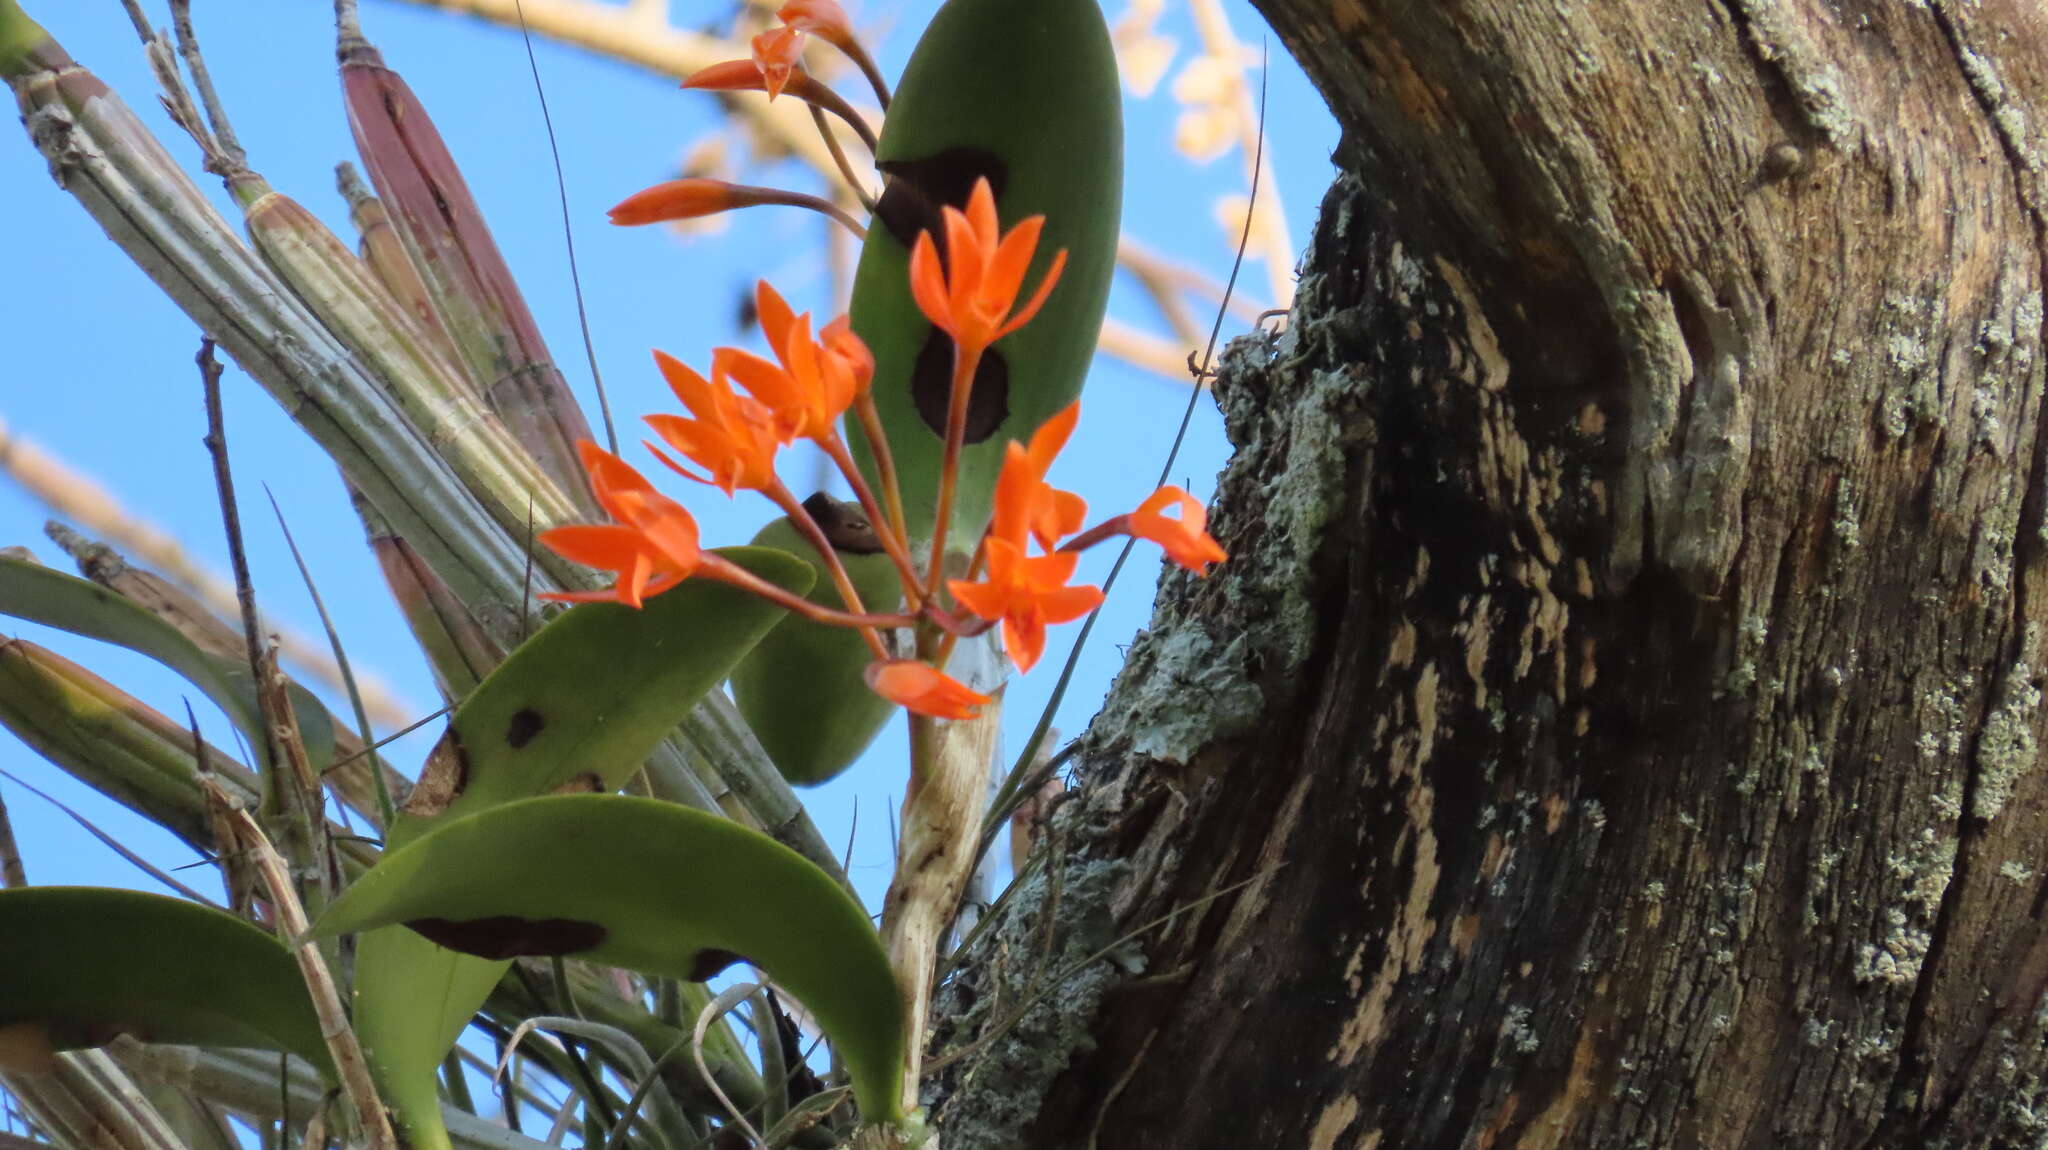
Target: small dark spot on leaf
[
  {"x": 931, "y": 387},
  {"x": 508, "y": 936},
  {"x": 915, "y": 190},
  {"x": 442, "y": 779},
  {"x": 845, "y": 527},
  {"x": 709, "y": 962},
  {"x": 526, "y": 723}
]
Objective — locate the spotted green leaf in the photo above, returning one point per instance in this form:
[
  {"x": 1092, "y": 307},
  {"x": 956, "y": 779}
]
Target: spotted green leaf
[
  {"x": 81, "y": 965},
  {"x": 653, "y": 887},
  {"x": 579, "y": 706},
  {"x": 1026, "y": 94}
]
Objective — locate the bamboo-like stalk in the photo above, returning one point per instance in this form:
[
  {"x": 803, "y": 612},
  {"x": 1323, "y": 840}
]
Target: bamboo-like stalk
[
  {"x": 467, "y": 280},
  {"x": 247, "y": 1082},
  {"x": 69, "y": 493},
  {"x": 941, "y": 829},
  {"x": 326, "y": 993},
  {"x": 122, "y": 748},
  {"x": 380, "y": 247},
  {"x": 101, "y": 153},
  {"x": 458, "y": 651},
  {"x": 167, "y": 601},
  {"x": 434, "y": 393},
  {"x": 86, "y": 1099}
]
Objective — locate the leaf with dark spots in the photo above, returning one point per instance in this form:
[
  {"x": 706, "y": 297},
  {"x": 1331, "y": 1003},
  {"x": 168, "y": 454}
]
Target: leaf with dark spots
[
  {"x": 503, "y": 936},
  {"x": 711, "y": 962},
  {"x": 931, "y": 388},
  {"x": 526, "y": 723},
  {"x": 845, "y": 526},
  {"x": 913, "y": 191},
  {"x": 577, "y": 707},
  {"x": 538, "y": 876}
]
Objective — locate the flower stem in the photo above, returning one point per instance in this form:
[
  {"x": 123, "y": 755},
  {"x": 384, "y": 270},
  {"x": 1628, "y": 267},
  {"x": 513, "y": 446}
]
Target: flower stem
[
  {"x": 885, "y": 466},
  {"x": 890, "y": 533},
  {"x": 844, "y": 165},
  {"x": 801, "y": 519},
  {"x": 1107, "y": 529},
  {"x": 717, "y": 568},
  {"x": 966, "y": 359}
]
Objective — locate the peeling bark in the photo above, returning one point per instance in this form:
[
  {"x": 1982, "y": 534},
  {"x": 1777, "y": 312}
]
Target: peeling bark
[{"x": 1617, "y": 725}]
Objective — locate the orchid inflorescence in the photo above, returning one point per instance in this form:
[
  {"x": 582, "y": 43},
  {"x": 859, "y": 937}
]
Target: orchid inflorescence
[{"x": 1020, "y": 572}]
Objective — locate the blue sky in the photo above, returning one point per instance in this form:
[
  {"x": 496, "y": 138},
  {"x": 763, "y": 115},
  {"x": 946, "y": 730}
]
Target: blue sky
[{"x": 101, "y": 364}]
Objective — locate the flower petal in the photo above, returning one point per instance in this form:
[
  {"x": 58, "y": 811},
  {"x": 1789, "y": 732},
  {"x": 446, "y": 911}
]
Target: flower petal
[
  {"x": 928, "y": 284},
  {"x": 1029, "y": 311}
]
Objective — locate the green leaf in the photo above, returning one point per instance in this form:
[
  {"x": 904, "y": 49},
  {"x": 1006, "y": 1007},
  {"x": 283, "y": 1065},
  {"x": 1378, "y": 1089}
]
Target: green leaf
[
  {"x": 653, "y": 887},
  {"x": 583, "y": 702},
  {"x": 40, "y": 595},
  {"x": 580, "y": 705},
  {"x": 89, "y": 963},
  {"x": 36, "y": 593},
  {"x": 1046, "y": 126},
  {"x": 800, "y": 688}
]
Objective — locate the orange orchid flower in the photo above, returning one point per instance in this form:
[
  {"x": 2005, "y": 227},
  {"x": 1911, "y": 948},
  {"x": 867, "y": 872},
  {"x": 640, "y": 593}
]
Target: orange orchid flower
[
  {"x": 732, "y": 436},
  {"x": 652, "y": 546},
  {"x": 1025, "y": 502},
  {"x": 777, "y": 53},
  {"x": 1186, "y": 540},
  {"x": 923, "y": 688},
  {"x": 973, "y": 298},
  {"x": 1026, "y": 594},
  {"x": 812, "y": 383}
]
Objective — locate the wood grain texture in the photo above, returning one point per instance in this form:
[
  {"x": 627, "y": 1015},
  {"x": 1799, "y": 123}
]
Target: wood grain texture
[{"x": 1622, "y": 706}]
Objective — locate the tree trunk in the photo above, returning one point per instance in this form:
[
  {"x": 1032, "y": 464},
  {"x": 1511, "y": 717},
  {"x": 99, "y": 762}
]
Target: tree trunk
[{"x": 1616, "y": 725}]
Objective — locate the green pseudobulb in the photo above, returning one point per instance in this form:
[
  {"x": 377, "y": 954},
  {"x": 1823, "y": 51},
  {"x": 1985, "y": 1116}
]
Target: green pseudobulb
[
  {"x": 1026, "y": 94},
  {"x": 800, "y": 688}
]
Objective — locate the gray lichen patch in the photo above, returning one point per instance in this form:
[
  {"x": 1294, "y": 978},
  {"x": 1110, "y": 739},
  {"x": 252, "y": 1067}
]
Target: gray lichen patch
[
  {"x": 1198, "y": 693},
  {"x": 2007, "y": 748},
  {"x": 1029, "y": 1009}
]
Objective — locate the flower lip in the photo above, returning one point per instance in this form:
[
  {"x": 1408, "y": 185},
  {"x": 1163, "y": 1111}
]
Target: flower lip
[
  {"x": 1027, "y": 594},
  {"x": 1186, "y": 540}
]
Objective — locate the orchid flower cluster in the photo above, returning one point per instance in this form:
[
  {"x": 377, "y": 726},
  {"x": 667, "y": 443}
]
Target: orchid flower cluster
[{"x": 750, "y": 407}]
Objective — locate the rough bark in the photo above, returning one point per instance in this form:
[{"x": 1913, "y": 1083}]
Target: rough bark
[{"x": 1617, "y": 724}]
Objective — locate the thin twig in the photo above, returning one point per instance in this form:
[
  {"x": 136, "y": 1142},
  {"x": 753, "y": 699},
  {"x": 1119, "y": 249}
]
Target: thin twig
[
  {"x": 604, "y": 403},
  {"x": 12, "y": 873},
  {"x": 229, "y": 147},
  {"x": 326, "y": 996},
  {"x": 238, "y": 560},
  {"x": 385, "y": 813}
]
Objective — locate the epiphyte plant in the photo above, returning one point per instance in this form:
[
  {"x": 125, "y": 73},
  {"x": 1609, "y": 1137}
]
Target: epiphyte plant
[{"x": 982, "y": 283}]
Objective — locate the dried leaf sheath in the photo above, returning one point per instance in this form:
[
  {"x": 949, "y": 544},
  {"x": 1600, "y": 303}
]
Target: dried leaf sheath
[{"x": 472, "y": 290}]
